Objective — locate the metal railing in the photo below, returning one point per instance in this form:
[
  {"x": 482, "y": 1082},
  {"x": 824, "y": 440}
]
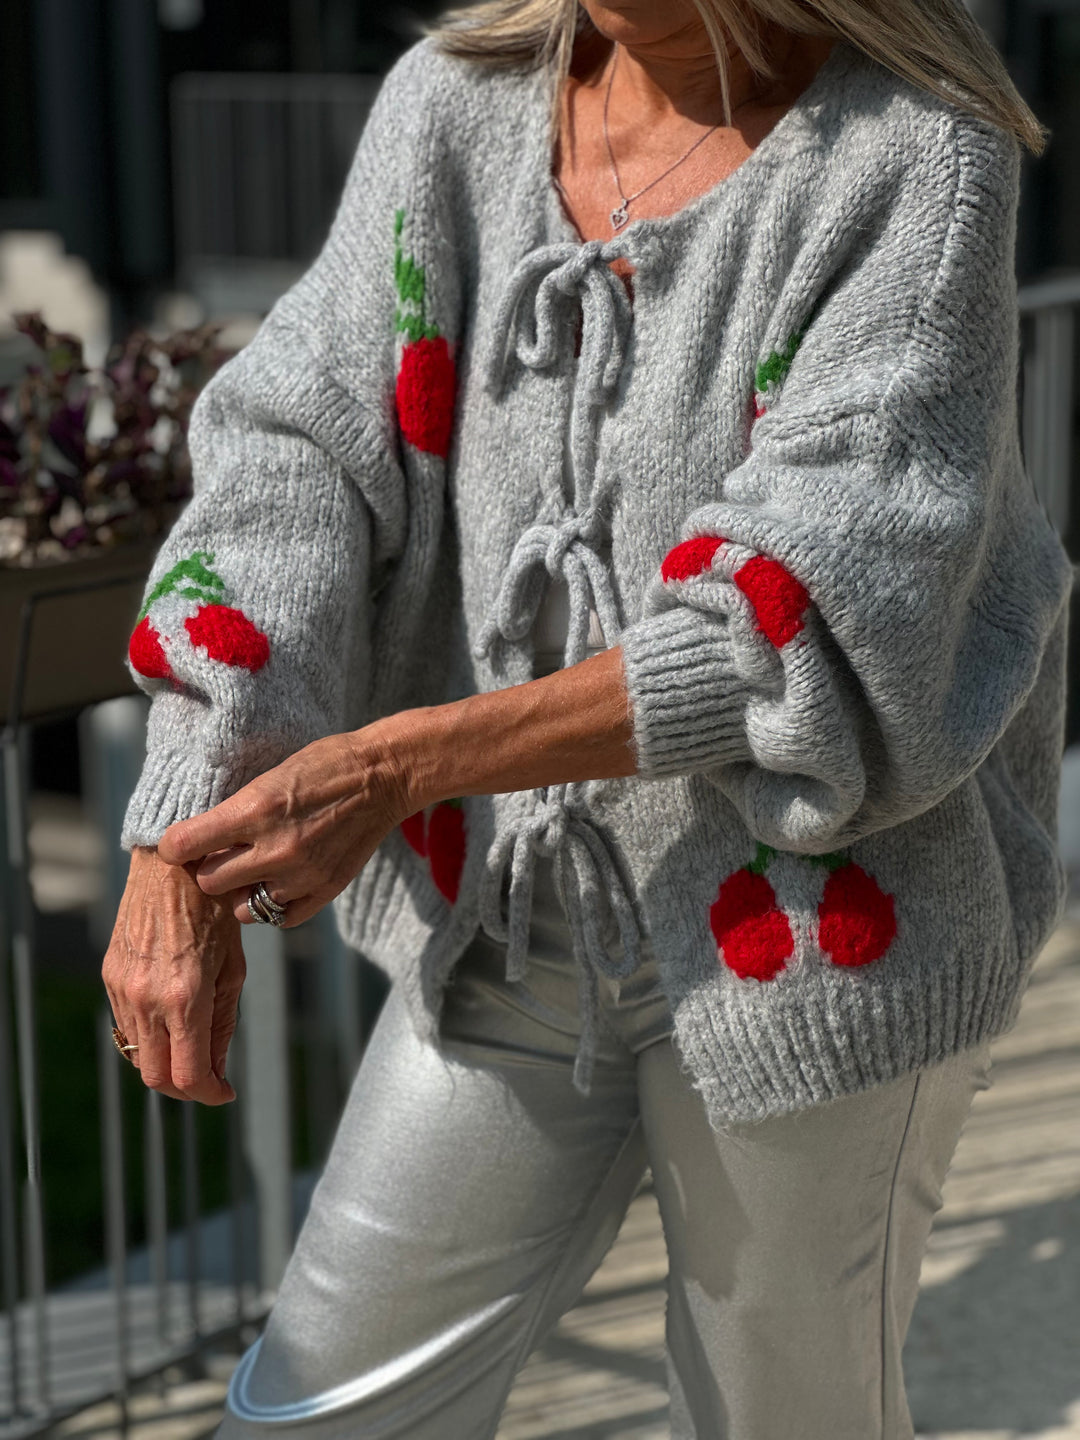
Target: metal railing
[
  {"x": 1048, "y": 417},
  {"x": 258, "y": 167},
  {"x": 198, "y": 1278},
  {"x": 203, "y": 1278}
]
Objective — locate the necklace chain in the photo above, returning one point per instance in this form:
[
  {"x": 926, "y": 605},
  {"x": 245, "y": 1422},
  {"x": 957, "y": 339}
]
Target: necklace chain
[{"x": 621, "y": 214}]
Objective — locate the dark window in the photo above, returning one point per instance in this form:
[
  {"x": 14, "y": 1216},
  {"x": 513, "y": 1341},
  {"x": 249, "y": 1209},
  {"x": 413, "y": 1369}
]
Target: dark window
[{"x": 20, "y": 175}]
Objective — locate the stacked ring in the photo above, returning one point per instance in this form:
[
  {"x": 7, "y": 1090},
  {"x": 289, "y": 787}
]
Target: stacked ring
[{"x": 263, "y": 909}]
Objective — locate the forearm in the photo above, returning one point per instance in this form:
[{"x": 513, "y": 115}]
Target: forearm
[{"x": 574, "y": 724}]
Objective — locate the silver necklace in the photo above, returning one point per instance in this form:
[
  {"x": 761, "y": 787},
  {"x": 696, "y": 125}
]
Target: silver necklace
[{"x": 621, "y": 214}]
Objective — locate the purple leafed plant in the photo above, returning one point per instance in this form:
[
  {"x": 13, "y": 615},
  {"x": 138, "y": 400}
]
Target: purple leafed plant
[{"x": 65, "y": 494}]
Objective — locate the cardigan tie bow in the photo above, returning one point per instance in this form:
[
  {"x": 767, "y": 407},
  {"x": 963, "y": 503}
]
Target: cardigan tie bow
[
  {"x": 530, "y": 321},
  {"x": 565, "y": 546},
  {"x": 534, "y": 328},
  {"x": 590, "y": 889}
]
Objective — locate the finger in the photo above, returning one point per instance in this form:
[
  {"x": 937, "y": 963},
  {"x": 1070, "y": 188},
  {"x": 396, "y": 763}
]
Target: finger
[
  {"x": 192, "y": 1072},
  {"x": 296, "y": 911},
  {"x": 123, "y": 1018},
  {"x": 240, "y": 868},
  {"x": 153, "y": 1057},
  {"x": 229, "y": 824},
  {"x": 128, "y": 1027}
]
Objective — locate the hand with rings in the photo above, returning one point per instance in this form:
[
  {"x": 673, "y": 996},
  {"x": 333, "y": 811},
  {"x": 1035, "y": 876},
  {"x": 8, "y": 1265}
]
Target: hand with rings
[
  {"x": 173, "y": 972},
  {"x": 285, "y": 845}
]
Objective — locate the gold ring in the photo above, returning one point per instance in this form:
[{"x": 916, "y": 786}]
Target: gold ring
[{"x": 120, "y": 1040}]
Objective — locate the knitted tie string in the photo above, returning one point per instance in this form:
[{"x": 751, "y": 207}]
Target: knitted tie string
[
  {"x": 529, "y": 322},
  {"x": 531, "y": 330},
  {"x": 589, "y": 887},
  {"x": 550, "y": 548},
  {"x": 530, "y": 327}
]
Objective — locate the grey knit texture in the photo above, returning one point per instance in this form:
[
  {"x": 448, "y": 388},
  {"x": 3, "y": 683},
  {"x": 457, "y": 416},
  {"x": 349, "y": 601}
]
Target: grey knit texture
[{"x": 859, "y": 692}]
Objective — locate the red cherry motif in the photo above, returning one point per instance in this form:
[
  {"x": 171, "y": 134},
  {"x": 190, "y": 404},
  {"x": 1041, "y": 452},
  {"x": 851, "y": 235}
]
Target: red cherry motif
[
  {"x": 779, "y": 600},
  {"x": 146, "y": 653},
  {"x": 752, "y": 933},
  {"x": 228, "y": 636},
  {"x": 690, "y": 557},
  {"x": 426, "y": 385},
  {"x": 413, "y": 830},
  {"x": 446, "y": 846},
  {"x": 777, "y": 597},
  {"x": 427, "y": 380},
  {"x": 856, "y": 921}
]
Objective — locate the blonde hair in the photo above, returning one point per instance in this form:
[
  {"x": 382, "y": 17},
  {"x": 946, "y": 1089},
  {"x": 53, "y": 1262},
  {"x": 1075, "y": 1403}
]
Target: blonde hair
[{"x": 934, "y": 44}]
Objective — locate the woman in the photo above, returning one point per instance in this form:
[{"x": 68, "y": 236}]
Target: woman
[{"x": 719, "y": 406}]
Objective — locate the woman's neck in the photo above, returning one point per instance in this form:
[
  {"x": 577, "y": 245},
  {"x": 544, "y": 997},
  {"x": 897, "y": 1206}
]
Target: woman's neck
[{"x": 676, "y": 76}]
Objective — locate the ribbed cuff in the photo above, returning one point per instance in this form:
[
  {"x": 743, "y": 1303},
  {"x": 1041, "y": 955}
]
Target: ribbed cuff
[
  {"x": 686, "y": 700},
  {"x": 175, "y": 787}
]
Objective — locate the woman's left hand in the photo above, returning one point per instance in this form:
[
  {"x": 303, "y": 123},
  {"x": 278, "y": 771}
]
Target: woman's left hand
[{"x": 304, "y": 829}]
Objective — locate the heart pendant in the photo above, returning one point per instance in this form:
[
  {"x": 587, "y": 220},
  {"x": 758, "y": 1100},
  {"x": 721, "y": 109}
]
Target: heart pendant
[{"x": 619, "y": 216}]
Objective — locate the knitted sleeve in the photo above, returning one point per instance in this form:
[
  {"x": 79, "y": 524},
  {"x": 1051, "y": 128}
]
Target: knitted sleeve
[
  {"x": 842, "y": 637},
  {"x": 255, "y": 633}
]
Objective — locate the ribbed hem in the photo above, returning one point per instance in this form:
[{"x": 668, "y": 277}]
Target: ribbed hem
[
  {"x": 175, "y": 787},
  {"x": 754, "y": 1055},
  {"x": 685, "y": 697}
]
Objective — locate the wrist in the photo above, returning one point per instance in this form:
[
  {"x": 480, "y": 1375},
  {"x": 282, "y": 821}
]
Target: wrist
[{"x": 394, "y": 764}]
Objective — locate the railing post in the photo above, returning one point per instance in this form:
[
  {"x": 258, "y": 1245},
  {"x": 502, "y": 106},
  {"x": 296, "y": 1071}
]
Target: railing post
[
  {"x": 112, "y": 744},
  {"x": 339, "y": 995},
  {"x": 1048, "y": 398},
  {"x": 9, "y": 1204},
  {"x": 113, "y": 1187},
  {"x": 13, "y": 748},
  {"x": 265, "y": 1099}
]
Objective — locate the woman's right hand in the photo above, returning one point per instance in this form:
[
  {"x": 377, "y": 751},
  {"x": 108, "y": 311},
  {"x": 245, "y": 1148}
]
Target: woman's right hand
[{"x": 174, "y": 970}]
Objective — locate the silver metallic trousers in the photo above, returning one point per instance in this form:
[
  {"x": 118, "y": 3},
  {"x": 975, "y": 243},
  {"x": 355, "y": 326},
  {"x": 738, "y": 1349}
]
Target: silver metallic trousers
[{"x": 471, "y": 1192}]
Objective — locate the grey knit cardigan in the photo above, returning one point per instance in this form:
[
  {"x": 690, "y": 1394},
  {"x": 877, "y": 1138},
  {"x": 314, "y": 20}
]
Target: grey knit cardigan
[{"x": 786, "y": 476}]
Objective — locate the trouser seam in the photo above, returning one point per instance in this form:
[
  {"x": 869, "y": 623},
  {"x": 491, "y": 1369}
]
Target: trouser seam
[
  {"x": 887, "y": 1248},
  {"x": 527, "y": 1338}
]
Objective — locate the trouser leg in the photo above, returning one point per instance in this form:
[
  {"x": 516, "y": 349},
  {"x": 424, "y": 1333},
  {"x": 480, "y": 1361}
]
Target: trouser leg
[
  {"x": 795, "y": 1247},
  {"x": 470, "y": 1192}
]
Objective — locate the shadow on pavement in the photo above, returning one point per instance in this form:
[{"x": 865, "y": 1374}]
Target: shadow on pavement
[{"x": 998, "y": 1346}]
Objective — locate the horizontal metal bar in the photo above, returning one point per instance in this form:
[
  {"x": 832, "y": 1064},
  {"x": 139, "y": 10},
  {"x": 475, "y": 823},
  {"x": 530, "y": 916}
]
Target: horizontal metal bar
[
  {"x": 1049, "y": 294},
  {"x": 247, "y": 85}
]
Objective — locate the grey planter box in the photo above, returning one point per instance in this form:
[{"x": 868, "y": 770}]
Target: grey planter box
[{"x": 81, "y": 614}]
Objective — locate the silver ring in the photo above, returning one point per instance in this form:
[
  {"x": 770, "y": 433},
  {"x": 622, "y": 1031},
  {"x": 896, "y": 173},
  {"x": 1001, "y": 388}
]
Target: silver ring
[{"x": 263, "y": 909}]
